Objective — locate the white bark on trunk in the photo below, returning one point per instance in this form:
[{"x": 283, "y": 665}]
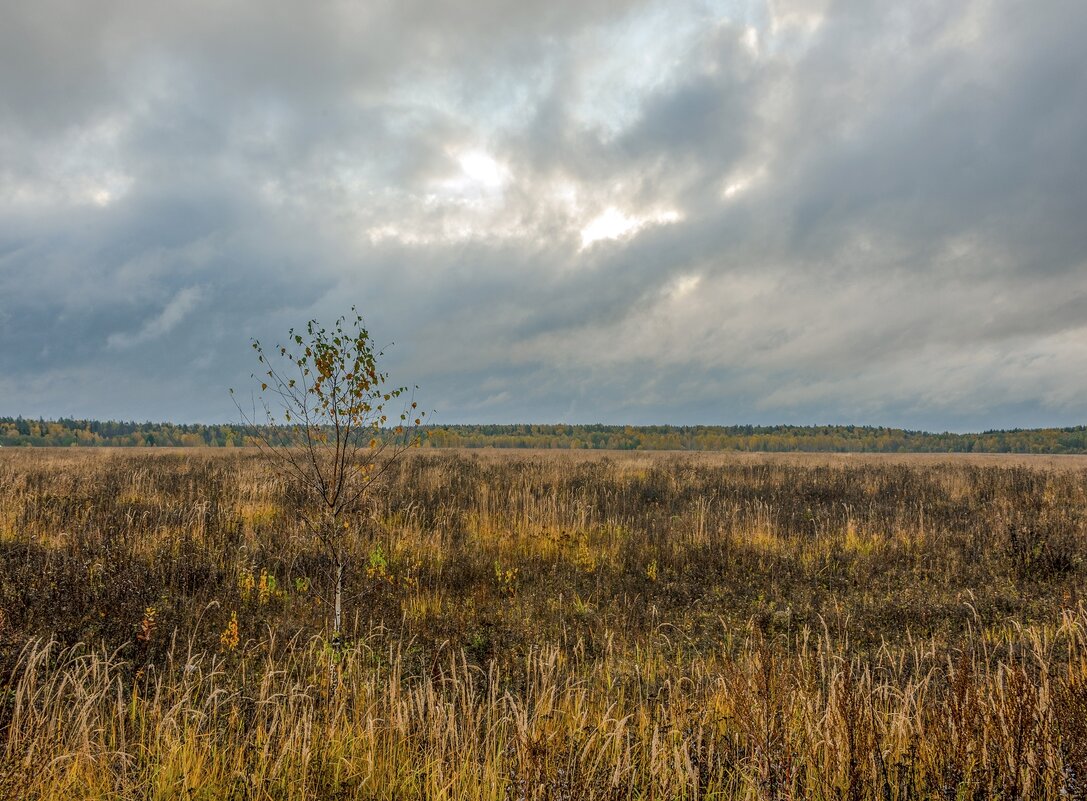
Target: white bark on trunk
[{"x": 338, "y": 618}]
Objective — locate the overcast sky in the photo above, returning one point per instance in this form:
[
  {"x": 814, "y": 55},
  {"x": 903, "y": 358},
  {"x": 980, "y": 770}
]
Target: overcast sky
[{"x": 566, "y": 211}]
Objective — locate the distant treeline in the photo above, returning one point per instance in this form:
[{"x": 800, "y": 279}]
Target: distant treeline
[
  {"x": 17, "y": 431},
  {"x": 758, "y": 438}
]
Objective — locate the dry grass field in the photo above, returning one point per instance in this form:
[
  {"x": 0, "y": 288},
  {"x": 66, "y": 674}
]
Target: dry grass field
[{"x": 536, "y": 625}]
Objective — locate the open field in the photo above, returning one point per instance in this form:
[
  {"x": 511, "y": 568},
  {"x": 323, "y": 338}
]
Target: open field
[{"x": 547, "y": 625}]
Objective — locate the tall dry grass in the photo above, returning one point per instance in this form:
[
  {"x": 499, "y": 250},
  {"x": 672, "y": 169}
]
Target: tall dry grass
[{"x": 546, "y": 627}]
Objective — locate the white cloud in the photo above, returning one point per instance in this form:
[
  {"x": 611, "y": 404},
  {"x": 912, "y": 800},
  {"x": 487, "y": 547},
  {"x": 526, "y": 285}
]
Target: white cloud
[
  {"x": 805, "y": 16},
  {"x": 683, "y": 286},
  {"x": 615, "y": 224},
  {"x": 161, "y": 324},
  {"x": 740, "y": 181},
  {"x": 750, "y": 39}
]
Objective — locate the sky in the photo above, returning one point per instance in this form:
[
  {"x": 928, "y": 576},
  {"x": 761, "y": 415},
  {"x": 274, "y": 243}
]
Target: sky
[{"x": 775, "y": 211}]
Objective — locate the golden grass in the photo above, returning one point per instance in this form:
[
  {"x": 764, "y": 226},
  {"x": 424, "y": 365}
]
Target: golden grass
[{"x": 547, "y": 626}]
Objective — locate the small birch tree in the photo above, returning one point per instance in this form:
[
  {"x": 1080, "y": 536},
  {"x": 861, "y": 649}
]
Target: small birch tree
[{"x": 325, "y": 390}]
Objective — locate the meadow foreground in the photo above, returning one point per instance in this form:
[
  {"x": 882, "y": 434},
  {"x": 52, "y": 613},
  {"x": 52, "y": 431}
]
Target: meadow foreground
[{"x": 546, "y": 626}]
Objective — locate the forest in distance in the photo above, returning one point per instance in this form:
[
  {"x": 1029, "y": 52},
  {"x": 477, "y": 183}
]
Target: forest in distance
[{"x": 20, "y": 432}]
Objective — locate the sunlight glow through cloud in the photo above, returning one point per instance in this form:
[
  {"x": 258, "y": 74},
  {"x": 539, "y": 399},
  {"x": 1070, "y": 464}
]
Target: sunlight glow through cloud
[
  {"x": 481, "y": 169},
  {"x": 614, "y": 224}
]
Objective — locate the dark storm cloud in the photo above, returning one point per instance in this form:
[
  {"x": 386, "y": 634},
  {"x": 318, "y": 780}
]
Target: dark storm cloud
[{"x": 790, "y": 211}]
